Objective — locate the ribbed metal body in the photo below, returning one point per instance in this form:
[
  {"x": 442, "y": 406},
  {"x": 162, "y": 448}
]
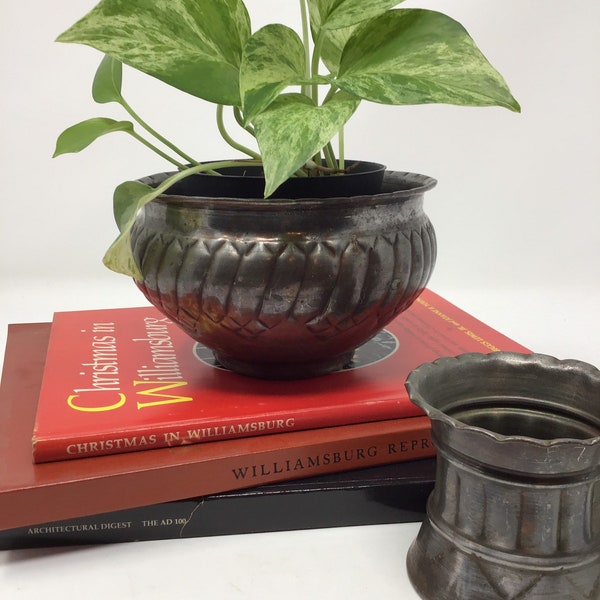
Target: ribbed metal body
[
  {"x": 515, "y": 513},
  {"x": 286, "y": 288}
]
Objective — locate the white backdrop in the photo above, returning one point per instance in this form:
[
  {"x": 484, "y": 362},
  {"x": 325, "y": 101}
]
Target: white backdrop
[
  {"x": 517, "y": 200},
  {"x": 517, "y": 204},
  {"x": 516, "y": 211},
  {"x": 516, "y": 208}
]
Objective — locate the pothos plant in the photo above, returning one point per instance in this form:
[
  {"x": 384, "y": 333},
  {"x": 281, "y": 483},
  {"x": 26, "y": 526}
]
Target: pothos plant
[{"x": 293, "y": 93}]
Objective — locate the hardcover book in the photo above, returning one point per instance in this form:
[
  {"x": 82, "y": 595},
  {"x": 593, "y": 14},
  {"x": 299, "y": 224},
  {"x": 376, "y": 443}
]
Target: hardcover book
[
  {"x": 123, "y": 380},
  {"x": 395, "y": 493},
  {"x": 40, "y": 493}
]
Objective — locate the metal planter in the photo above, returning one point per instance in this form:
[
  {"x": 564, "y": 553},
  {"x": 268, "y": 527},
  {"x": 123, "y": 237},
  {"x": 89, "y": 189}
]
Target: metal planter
[
  {"x": 515, "y": 513},
  {"x": 286, "y": 288}
]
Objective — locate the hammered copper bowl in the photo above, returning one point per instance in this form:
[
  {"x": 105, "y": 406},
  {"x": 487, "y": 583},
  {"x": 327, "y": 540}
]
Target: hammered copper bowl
[{"x": 286, "y": 288}]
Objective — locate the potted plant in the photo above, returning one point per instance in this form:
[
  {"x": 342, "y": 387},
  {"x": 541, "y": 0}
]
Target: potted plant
[{"x": 279, "y": 277}]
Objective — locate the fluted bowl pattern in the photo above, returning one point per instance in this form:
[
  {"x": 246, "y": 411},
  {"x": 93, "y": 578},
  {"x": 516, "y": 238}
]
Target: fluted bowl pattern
[{"x": 286, "y": 288}]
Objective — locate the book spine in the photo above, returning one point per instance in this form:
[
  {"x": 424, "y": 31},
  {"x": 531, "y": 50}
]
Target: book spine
[
  {"x": 338, "y": 504},
  {"x": 256, "y": 462},
  {"x": 386, "y": 447},
  {"x": 50, "y": 449}
]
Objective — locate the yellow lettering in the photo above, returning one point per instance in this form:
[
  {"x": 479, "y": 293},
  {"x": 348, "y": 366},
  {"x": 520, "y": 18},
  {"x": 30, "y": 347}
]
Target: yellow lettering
[
  {"x": 166, "y": 385},
  {"x": 118, "y": 404}
]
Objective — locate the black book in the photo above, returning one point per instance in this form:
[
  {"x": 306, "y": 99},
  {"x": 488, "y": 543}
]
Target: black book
[{"x": 393, "y": 493}]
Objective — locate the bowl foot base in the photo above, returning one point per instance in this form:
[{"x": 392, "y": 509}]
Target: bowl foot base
[{"x": 285, "y": 371}]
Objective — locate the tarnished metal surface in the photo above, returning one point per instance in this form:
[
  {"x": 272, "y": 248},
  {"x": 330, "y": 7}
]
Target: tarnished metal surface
[
  {"x": 515, "y": 513},
  {"x": 286, "y": 288}
]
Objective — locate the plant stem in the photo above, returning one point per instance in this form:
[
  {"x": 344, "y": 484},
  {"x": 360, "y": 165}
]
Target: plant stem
[
  {"x": 306, "y": 43},
  {"x": 329, "y": 156},
  {"x": 331, "y": 92},
  {"x": 328, "y": 149},
  {"x": 314, "y": 67},
  {"x": 201, "y": 168},
  {"x": 229, "y": 139},
  {"x": 341, "y": 150},
  {"x": 240, "y": 121},
  {"x": 158, "y": 151},
  {"x": 155, "y": 133}
]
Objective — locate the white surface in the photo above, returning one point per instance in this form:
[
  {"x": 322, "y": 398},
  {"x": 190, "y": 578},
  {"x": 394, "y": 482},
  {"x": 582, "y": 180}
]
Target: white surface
[
  {"x": 346, "y": 563},
  {"x": 517, "y": 215}
]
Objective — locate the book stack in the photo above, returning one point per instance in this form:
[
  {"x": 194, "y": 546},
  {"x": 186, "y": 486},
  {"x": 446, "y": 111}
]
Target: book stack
[{"x": 115, "y": 426}]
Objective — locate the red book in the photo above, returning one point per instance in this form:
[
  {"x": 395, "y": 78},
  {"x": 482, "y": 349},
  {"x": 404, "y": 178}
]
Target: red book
[
  {"x": 39, "y": 493},
  {"x": 121, "y": 380}
]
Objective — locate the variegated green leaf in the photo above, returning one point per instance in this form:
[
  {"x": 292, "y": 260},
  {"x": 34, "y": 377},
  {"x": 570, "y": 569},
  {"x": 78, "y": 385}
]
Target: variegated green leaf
[
  {"x": 292, "y": 130},
  {"x": 125, "y": 201},
  {"x": 128, "y": 198},
  {"x": 108, "y": 81},
  {"x": 334, "y": 14},
  {"x": 415, "y": 56},
  {"x": 119, "y": 257},
  {"x": 80, "y": 136},
  {"x": 334, "y": 22},
  {"x": 332, "y": 46},
  {"x": 193, "y": 45},
  {"x": 273, "y": 59}
]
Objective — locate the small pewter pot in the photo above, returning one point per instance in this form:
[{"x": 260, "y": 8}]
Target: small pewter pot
[{"x": 515, "y": 513}]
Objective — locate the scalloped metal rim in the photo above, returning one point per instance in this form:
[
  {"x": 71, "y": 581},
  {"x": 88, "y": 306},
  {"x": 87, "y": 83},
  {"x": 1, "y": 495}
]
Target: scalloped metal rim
[{"x": 539, "y": 360}]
